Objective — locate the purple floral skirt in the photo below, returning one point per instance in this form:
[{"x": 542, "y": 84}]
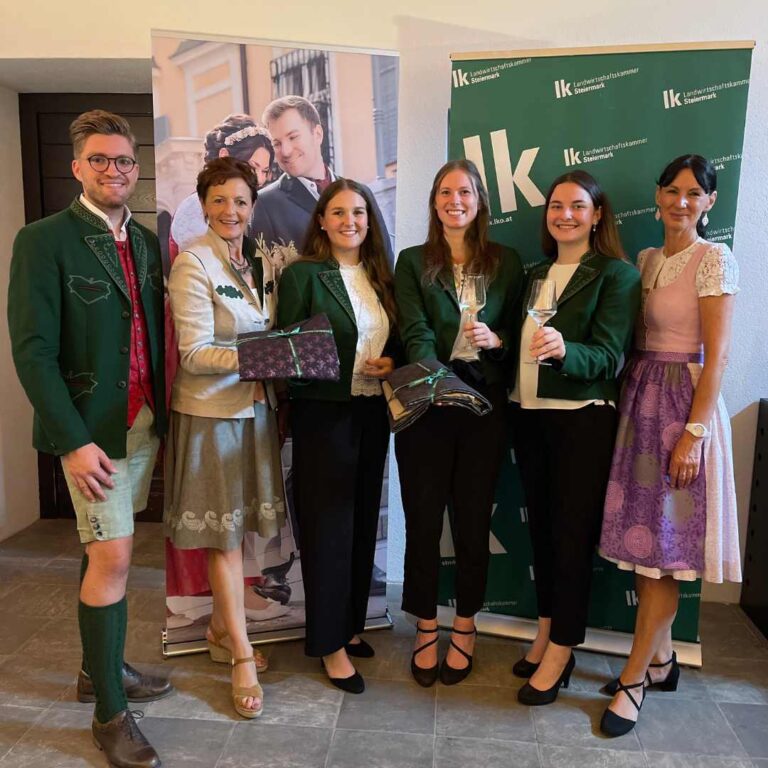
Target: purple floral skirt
[{"x": 645, "y": 521}]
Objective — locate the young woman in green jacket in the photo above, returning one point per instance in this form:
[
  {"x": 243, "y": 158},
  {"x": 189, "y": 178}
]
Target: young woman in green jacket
[
  {"x": 565, "y": 419},
  {"x": 451, "y": 455},
  {"x": 340, "y": 429}
]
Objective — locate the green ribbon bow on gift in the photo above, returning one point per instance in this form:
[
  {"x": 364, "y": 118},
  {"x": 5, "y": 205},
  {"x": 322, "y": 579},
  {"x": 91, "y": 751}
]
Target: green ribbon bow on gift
[
  {"x": 431, "y": 379},
  {"x": 289, "y": 335}
]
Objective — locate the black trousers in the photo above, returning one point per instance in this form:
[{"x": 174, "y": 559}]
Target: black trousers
[
  {"x": 449, "y": 455},
  {"x": 564, "y": 459},
  {"x": 339, "y": 451}
]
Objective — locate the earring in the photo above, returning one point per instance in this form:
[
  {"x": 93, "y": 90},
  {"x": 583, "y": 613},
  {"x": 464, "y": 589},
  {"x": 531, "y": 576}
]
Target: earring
[
  {"x": 657, "y": 215},
  {"x": 705, "y": 219},
  {"x": 594, "y": 227}
]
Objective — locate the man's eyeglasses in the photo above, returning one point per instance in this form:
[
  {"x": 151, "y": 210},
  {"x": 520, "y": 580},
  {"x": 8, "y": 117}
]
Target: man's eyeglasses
[{"x": 100, "y": 163}]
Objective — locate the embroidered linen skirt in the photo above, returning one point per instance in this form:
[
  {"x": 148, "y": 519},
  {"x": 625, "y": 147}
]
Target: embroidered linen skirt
[{"x": 222, "y": 477}]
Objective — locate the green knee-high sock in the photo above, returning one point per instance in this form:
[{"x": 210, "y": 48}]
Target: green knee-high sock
[
  {"x": 83, "y": 569},
  {"x": 102, "y": 630}
]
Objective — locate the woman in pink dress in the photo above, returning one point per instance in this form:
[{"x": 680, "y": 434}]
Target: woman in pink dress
[{"x": 670, "y": 510}]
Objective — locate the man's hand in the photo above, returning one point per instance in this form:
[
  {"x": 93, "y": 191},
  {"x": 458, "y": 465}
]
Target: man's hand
[{"x": 90, "y": 469}]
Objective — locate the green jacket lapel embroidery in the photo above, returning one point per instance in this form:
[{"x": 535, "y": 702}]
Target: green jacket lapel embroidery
[{"x": 334, "y": 282}]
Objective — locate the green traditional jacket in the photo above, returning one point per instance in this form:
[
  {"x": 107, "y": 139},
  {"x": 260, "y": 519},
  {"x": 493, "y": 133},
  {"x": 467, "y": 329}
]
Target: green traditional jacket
[
  {"x": 308, "y": 288},
  {"x": 69, "y": 316},
  {"x": 429, "y": 313},
  {"x": 596, "y": 314}
]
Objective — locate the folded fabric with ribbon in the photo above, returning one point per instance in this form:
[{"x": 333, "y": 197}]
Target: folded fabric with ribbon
[
  {"x": 305, "y": 350},
  {"x": 410, "y": 390}
]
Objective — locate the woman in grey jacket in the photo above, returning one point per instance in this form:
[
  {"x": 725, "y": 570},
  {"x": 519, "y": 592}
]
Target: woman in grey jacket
[{"x": 223, "y": 473}]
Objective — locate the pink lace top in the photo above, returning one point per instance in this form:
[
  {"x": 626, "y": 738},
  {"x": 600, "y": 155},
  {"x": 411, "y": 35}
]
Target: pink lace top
[{"x": 669, "y": 319}]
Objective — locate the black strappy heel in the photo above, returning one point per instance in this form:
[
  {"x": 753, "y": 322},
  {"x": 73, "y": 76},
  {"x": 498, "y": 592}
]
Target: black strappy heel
[
  {"x": 614, "y": 725},
  {"x": 425, "y": 676},
  {"x": 450, "y": 675},
  {"x": 669, "y": 683}
]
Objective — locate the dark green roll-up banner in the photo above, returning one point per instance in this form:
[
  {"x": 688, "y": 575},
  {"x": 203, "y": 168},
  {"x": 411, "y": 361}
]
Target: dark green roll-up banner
[{"x": 621, "y": 114}]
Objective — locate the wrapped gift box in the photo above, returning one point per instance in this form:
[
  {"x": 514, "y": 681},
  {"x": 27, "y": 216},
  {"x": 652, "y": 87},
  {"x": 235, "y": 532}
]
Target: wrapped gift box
[
  {"x": 305, "y": 350},
  {"x": 410, "y": 390}
]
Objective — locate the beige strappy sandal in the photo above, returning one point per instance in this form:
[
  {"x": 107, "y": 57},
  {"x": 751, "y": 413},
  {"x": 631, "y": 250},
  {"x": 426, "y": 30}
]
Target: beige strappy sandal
[
  {"x": 222, "y": 655},
  {"x": 242, "y": 692}
]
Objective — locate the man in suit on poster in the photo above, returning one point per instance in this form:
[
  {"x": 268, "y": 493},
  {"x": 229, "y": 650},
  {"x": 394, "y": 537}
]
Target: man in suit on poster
[
  {"x": 282, "y": 213},
  {"x": 85, "y": 314}
]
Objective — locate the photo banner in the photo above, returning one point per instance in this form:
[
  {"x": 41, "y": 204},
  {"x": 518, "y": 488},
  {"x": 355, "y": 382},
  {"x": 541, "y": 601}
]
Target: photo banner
[
  {"x": 621, "y": 114},
  {"x": 210, "y": 97}
]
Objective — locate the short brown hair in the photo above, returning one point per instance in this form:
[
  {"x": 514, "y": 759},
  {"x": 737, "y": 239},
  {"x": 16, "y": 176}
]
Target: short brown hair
[
  {"x": 279, "y": 106},
  {"x": 220, "y": 170},
  {"x": 103, "y": 123}
]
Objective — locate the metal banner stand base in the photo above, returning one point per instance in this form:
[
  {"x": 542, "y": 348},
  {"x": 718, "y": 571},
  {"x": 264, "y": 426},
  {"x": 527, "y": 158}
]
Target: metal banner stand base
[
  {"x": 258, "y": 638},
  {"x": 597, "y": 640}
]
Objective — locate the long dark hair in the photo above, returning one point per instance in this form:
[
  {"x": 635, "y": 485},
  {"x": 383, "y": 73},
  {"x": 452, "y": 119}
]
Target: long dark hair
[
  {"x": 437, "y": 254},
  {"x": 701, "y": 168},
  {"x": 373, "y": 254},
  {"x": 604, "y": 239}
]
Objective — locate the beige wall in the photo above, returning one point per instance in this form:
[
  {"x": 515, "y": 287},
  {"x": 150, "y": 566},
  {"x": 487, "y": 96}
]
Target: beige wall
[{"x": 18, "y": 464}]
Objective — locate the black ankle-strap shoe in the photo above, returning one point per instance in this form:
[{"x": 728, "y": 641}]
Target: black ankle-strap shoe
[
  {"x": 451, "y": 675},
  {"x": 425, "y": 676}
]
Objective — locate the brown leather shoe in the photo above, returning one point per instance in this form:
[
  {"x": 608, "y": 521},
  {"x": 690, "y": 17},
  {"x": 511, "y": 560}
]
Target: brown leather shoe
[
  {"x": 123, "y": 744},
  {"x": 138, "y": 686}
]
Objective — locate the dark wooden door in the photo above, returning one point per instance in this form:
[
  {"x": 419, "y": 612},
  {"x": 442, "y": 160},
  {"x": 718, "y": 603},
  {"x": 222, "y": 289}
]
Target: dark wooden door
[{"x": 50, "y": 187}]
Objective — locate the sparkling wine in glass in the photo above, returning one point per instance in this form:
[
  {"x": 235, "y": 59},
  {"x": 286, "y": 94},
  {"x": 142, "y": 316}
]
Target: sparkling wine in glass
[
  {"x": 472, "y": 298},
  {"x": 542, "y": 307}
]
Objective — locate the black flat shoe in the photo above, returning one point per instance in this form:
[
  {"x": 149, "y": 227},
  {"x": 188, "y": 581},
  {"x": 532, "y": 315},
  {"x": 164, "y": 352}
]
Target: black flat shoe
[
  {"x": 451, "y": 675},
  {"x": 614, "y": 725},
  {"x": 352, "y": 684},
  {"x": 533, "y": 697},
  {"x": 425, "y": 677},
  {"x": 669, "y": 683},
  {"x": 524, "y": 668},
  {"x": 361, "y": 650}
]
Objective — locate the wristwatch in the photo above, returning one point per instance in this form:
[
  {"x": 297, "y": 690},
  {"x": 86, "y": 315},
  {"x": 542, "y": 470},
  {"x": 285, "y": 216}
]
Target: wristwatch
[{"x": 696, "y": 429}]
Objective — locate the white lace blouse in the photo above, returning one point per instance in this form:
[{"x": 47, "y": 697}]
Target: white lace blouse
[
  {"x": 718, "y": 272},
  {"x": 372, "y": 327}
]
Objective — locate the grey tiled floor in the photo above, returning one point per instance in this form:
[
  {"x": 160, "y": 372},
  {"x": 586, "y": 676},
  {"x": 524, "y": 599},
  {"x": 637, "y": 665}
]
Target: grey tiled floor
[{"x": 718, "y": 718}]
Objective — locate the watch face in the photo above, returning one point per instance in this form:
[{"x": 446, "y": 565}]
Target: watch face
[{"x": 697, "y": 430}]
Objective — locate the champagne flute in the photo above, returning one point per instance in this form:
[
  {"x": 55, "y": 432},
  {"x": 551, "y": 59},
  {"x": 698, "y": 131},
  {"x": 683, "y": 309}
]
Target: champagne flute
[
  {"x": 542, "y": 307},
  {"x": 472, "y": 300}
]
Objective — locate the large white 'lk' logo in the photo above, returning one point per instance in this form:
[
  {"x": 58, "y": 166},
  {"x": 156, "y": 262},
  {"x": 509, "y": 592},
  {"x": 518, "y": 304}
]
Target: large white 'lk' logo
[
  {"x": 671, "y": 99},
  {"x": 507, "y": 178},
  {"x": 562, "y": 89},
  {"x": 459, "y": 78}
]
